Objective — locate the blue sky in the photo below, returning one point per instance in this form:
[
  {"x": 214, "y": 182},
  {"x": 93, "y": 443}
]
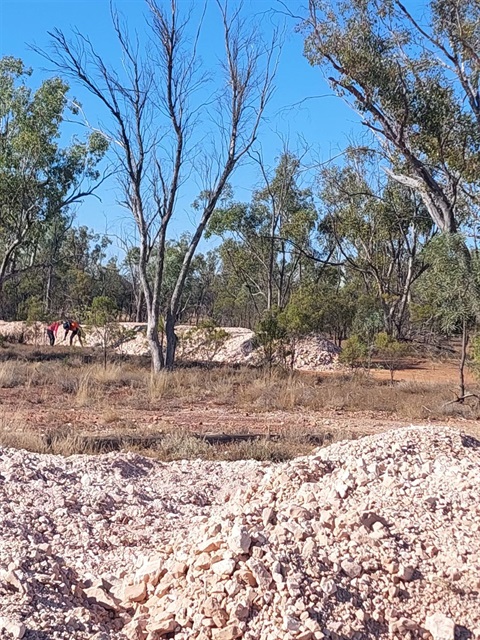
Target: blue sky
[{"x": 302, "y": 106}]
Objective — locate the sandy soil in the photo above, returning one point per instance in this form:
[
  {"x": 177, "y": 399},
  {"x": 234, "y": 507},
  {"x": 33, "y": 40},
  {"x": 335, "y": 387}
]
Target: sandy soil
[{"x": 44, "y": 408}]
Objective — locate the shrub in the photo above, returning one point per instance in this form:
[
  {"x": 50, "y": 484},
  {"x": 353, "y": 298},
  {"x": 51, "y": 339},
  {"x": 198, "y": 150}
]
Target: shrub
[
  {"x": 270, "y": 334},
  {"x": 206, "y": 340},
  {"x": 390, "y": 352},
  {"x": 354, "y": 352}
]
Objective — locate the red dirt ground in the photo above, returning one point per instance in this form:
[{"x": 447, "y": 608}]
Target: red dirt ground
[{"x": 42, "y": 407}]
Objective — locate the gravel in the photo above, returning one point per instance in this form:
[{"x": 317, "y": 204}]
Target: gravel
[{"x": 373, "y": 538}]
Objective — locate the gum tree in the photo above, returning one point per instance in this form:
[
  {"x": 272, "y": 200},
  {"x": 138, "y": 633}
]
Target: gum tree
[
  {"x": 406, "y": 83},
  {"x": 39, "y": 179},
  {"x": 268, "y": 240},
  {"x": 379, "y": 229}
]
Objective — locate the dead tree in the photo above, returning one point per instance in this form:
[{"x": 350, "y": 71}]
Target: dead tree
[
  {"x": 153, "y": 107},
  {"x": 249, "y": 69}
]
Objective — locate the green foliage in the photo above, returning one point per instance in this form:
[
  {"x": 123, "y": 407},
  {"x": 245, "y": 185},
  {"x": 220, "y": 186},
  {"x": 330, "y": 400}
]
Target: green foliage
[
  {"x": 368, "y": 320},
  {"x": 304, "y": 313},
  {"x": 449, "y": 292},
  {"x": 270, "y": 334},
  {"x": 32, "y": 310},
  {"x": 380, "y": 60},
  {"x": 39, "y": 179},
  {"x": 265, "y": 240},
  {"x": 103, "y": 325},
  {"x": 354, "y": 351},
  {"x": 196, "y": 299},
  {"x": 379, "y": 228},
  {"x": 320, "y": 308},
  {"x": 390, "y": 352},
  {"x": 102, "y": 311}
]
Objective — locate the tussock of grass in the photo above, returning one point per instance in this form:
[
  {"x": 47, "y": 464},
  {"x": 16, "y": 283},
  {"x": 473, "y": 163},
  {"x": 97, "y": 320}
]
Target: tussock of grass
[
  {"x": 181, "y": 446},
  {"x": 111, "y": 416},
  {"x": 263, "y": 449},
  {"x": 12, "y": 374},
  {"x": 129, "y": 385},
  {"x": 16, "y": 435},
  {"x": 160, "y": 387},
  {"x": 63, "y": 442}
]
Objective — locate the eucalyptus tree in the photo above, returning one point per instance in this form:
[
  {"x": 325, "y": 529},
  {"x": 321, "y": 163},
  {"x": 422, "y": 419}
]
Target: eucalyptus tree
[
  {"x": 268, "y": 240},
  {"x": 154, "y": 104},
  {"x": 379, "y": 228},
  {"x": 39, "y": 179},
  {"x": 291, "y": 218},
  {"x": 446, "y": 297},
  {"x": 406, "y": 83}
]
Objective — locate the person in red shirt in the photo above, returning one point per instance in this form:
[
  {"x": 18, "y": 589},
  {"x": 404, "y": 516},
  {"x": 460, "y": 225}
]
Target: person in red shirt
[
  {"x": 74, "y": 327},
  {"x": 52, "y": 331}
]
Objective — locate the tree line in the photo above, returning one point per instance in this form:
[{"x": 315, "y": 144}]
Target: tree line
[{"x": 383, "y": 240}]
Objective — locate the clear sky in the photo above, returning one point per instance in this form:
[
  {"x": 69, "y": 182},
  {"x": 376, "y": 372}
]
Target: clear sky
[{"x": 302, "y": 107}]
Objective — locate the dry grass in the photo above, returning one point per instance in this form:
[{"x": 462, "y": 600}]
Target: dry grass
[
  {"x": 74, "y": 382},
  {"x": 199, "y": 384},
  {"x": 15, "y": 434},
  {"x": 65, "y": 442},
  {"x": 12, "y": 374},
  {"x": 92, "y": 386},
  {"x": 181, "y": 445},
  {"x": 173, "y": 446},
  {"x": 356, "y": 392}
]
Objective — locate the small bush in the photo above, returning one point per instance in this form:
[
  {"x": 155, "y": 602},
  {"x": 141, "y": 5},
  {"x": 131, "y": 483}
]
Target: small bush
[
  {"x": 182, "y": 446},
  {"x": 354, "y": 352},
  {"x": 390, "y": 352},
  {"x": 205, "y": 341}
]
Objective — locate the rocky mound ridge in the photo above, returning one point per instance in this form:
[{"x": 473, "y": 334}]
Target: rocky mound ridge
[
  {"x": 312, "y": 353},
  {"x": 374, "y": 538}
]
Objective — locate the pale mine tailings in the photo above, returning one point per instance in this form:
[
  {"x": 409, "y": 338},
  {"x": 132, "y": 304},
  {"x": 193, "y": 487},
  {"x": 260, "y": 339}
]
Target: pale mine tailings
[
  {"x": 312, "y": 353},
  {"x": 374, "y": 538}
]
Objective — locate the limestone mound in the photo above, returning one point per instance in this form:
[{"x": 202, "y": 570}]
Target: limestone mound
[
  {"x": 374, "y": 538},
  {"x": 316, "y": 353},
  {"x": 312, "y": 353},
  {"x": 378, "y": 538}
]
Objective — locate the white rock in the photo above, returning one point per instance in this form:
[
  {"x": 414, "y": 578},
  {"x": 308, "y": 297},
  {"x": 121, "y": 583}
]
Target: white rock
[
  {"x": 328, "y": 586},
  {"x": 15, "y": 629},
  {"x": 440, "y": 626},
  {"x": 224, "y": 567},
  {"x": 240, "y": 540}
]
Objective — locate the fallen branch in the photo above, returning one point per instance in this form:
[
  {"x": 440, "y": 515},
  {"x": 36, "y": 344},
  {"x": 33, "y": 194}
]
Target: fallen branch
[
  {"x": 114, "y": 442},
  {"x": 461, "y": 399}
]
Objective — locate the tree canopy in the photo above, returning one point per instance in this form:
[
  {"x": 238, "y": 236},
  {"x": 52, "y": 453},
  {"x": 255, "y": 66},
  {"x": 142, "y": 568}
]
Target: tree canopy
[
  {"x": 39, "y": 179},
  {"x": 382, "y": 240}
]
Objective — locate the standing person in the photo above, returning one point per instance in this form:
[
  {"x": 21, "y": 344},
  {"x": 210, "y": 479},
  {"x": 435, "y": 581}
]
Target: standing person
[
  {"x": 52, "y": 331},
  {"x": 74, "y": 327}
]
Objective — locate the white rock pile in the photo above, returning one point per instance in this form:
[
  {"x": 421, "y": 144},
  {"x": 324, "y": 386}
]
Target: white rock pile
[
  {"x": 374, "y": 538},
  {"x": 72, "y": 528},
  {"x": 312, "y": 353},
  {"x": 316, "y": 353}
]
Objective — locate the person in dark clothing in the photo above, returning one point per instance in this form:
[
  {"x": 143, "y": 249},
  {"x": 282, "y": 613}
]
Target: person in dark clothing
[
  {"x": 74, "y": 327},
  {"x": 52, "y": 331}
]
